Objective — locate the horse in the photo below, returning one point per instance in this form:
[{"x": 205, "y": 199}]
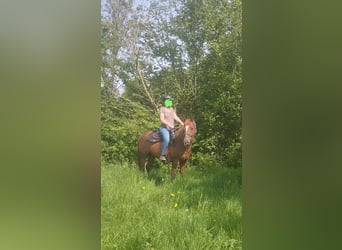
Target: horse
[{"x": 178, "y": 152}]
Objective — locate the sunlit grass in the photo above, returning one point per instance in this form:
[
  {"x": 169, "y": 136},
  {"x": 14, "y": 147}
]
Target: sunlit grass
[{"x": 198, "y": 211}]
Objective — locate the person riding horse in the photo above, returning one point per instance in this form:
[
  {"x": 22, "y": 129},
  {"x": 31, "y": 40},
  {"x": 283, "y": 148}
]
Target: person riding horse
[
  {"x": 149, "y": 147},
  {"x": 167, "y": 117}
]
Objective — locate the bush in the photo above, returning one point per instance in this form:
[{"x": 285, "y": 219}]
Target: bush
[
  {"x": 233, "y": 155},
  {"x": 205, "y": 161},
  {"x": 120, "y": 130}
]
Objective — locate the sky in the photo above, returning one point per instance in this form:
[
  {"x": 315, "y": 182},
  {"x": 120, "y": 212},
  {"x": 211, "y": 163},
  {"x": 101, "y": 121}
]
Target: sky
[{"x": 136, "y": 2}]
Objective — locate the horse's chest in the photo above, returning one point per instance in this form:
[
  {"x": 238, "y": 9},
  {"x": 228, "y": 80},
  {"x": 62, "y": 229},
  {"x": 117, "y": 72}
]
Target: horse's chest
[
  {"x": 179, "y": 152},
  {"x": 185, "y": 154}
]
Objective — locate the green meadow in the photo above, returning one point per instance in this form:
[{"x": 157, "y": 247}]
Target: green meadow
[{"x": 201, "y": 210}]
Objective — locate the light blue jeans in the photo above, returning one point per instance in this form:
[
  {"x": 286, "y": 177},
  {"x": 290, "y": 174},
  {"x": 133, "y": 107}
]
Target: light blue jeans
[{"x": 165, "y": 134}]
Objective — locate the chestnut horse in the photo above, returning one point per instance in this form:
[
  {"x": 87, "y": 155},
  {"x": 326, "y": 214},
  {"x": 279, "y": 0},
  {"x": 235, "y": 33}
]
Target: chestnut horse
[{"x": 178, "y": 152}]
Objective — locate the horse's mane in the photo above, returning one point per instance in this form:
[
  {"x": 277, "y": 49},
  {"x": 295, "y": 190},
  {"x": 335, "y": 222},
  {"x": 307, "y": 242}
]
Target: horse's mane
[{"x": 179, "y": 131}]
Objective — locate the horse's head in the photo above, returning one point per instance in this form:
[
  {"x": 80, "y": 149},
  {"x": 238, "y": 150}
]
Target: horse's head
[{"x": 190, "y": 131}]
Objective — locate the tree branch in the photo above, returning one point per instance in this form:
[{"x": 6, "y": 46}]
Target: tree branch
[{"x": 144, "y": 85}]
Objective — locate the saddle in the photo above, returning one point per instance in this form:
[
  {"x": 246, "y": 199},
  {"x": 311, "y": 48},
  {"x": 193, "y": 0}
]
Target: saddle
[{"x": 155, "y": 136}]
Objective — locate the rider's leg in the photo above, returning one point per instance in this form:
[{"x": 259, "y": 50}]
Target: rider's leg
[{"x": 165, "y": 134}]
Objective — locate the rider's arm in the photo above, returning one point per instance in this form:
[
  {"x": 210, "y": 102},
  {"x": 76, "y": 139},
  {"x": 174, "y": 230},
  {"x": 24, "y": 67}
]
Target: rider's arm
[{"x": 178, "y": 119}]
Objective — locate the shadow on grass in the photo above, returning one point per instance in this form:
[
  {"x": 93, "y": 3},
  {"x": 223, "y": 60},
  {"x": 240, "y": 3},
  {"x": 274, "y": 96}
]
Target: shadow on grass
[
  {"x": 197, "y": 185},
  {"x": 215, "y": 185}
]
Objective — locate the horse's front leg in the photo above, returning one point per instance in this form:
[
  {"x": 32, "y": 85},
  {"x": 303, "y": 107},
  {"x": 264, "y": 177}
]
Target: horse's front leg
[
  {"x": 174, "y": 169},
  {"x": 183, "y": 165}
]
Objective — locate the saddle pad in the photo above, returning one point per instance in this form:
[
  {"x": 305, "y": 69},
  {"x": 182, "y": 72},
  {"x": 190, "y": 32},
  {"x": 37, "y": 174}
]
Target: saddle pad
[{"x": 154, "y": 136}]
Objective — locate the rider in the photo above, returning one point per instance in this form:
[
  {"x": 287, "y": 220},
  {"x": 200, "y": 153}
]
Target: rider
[{"x": 167, "y": 117}]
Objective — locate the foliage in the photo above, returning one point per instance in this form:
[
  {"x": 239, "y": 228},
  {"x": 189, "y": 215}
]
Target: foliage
[
  {"x": 122, "y": 123},
  {"x": 192, "y": 51},
  {"x": 199, "y": 211},
  {"x": 220, "y": 88},
  {"x": 188, "y": 49}
]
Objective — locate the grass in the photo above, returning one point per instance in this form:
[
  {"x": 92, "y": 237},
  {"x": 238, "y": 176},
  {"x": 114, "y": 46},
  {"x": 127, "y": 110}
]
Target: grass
[{"x": 199, "y": 211}]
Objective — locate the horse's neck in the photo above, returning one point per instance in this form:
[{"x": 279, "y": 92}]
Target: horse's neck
[
  {"x": 180, "y": 132},
  {"x": 179, "y": 139},
  {"x": 179, "y": 136}
]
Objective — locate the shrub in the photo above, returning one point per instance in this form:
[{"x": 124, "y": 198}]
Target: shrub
[{"x": 121, "y": 129}]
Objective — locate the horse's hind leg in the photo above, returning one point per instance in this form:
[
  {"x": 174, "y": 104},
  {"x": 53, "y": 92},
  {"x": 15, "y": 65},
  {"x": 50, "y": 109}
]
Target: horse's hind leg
[
  {"x": 183, "y": 165},
  {"x": 142, "y": 163},
  {"x": 149, "y": 164}
]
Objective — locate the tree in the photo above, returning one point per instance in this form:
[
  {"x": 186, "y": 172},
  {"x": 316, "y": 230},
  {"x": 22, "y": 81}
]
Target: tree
[
  {"x": 189, "y": 49},
  {"x": 113, "y": 33},
  {"x": 211, "y": 31}
]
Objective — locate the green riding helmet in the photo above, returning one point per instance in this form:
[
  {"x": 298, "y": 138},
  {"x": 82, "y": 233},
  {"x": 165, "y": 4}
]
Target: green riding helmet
[{"x": 167, "y": 100}]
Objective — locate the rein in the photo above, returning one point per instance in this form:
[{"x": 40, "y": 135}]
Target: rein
[{"x": 185, "y": 133}]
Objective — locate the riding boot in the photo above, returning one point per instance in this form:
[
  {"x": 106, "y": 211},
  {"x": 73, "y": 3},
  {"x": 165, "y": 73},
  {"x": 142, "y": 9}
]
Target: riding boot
[{"x": 163, "y": 158}]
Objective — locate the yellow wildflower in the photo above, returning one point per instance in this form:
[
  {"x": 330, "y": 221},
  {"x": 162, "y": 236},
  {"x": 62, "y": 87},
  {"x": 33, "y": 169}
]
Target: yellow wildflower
[
  {"x": 172, "y": 195},
  {"x": 175, "y": 205}
]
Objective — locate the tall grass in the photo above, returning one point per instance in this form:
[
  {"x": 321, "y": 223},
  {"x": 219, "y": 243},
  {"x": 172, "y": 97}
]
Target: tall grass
[{"x": 199, "y": 211}]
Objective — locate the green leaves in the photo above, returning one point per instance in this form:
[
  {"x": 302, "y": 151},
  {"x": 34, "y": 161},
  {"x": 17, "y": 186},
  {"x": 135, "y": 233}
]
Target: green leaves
[
  {"x": 189, "y": 49},
  {"x": 122, "y": 121}
]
